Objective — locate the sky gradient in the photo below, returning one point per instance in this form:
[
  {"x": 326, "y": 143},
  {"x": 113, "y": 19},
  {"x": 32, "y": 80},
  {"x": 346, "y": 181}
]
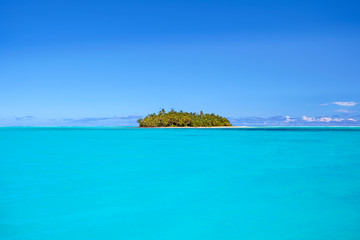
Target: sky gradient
[{"x": 109, "y": 62}]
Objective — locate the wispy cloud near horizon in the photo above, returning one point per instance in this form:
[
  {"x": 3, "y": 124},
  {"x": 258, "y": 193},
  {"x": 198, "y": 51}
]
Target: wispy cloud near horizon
[
  {"x": 345, "y": 111},
  {"x": 97, "y": 119},
  {"x": 336, "y": 120},
  {"x": 25, "y": 118},
  {"x": 86, "y": 121},
  {"x": 345, "y": 104}
]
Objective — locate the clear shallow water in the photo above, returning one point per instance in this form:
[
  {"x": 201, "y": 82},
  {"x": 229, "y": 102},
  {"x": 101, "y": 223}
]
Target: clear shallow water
[{"x": 123, "y": 183}]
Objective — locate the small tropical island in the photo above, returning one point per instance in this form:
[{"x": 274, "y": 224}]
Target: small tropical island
[{"x": 183, "y": 119}]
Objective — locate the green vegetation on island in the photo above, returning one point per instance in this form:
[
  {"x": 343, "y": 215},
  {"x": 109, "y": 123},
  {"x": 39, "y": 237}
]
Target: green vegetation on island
[{"x": 183, "y": 119}]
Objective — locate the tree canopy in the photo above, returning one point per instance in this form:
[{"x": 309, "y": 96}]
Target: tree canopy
[{"x": 183, "y": 119}]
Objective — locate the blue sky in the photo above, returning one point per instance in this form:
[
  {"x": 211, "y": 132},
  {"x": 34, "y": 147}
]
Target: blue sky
[{"x": 72, "y": 62}]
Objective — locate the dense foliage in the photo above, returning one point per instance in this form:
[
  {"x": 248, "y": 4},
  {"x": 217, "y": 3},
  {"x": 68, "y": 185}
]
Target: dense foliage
[{"x": 183, "y": 119}]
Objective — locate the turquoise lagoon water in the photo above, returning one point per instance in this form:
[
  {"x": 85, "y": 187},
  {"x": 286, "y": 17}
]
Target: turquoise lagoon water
[{"x": 128, "y": 183}]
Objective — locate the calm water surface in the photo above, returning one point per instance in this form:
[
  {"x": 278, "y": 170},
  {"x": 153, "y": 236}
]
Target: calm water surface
[{"x": 124, "y": 183}]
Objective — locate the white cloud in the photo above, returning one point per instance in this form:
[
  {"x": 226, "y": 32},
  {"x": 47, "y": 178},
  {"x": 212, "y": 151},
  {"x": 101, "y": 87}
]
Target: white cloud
[
  {"x": 325, "y": 119},
  {"x": 322, "y": 119},
  {"x": 343, "y": 111},
  {"x": 351, "y": 119},
  {"x": 308, "y": 119},
  {"x": 345, "y": 104},
  {"x": 289, "y": 119},
  {"x": 338, "y": 120}
]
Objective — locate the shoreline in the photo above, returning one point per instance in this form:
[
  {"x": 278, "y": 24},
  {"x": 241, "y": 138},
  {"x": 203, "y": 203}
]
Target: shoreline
[
  {"x": 137, "y": 127},
  {"x": 234, "y": 127}
]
